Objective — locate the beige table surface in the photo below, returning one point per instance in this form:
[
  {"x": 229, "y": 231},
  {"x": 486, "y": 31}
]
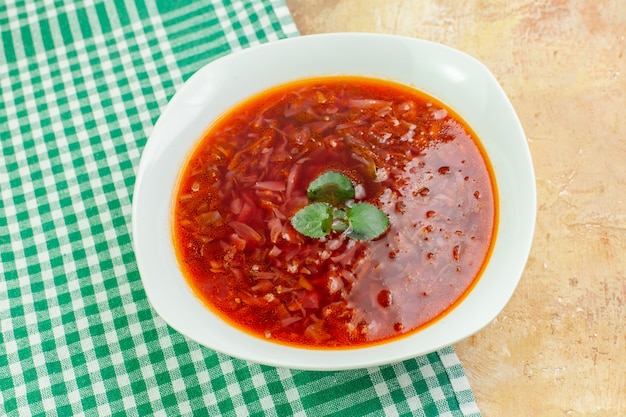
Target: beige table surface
[{"x": 559, "y": 347}]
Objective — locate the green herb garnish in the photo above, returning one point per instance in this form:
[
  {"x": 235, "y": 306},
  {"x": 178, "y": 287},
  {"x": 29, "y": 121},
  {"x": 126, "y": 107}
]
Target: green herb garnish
[
  {"x": 314, "y": 220},
  {"x": 333, "y": 209},
  {"x": 332, "y": 188},
  {"x": 367, "y": 221}
]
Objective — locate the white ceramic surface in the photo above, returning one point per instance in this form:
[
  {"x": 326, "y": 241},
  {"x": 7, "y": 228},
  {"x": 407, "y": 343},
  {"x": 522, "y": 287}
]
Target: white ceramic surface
[{"x": 458, "y": 80}]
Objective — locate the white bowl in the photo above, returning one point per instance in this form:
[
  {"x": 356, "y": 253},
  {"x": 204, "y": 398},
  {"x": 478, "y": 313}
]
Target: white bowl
[{"x": 456, "y": 79}]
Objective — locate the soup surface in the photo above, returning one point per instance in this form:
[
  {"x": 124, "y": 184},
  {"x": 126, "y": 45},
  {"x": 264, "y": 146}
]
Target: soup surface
[{"x": 406, "y": 153}]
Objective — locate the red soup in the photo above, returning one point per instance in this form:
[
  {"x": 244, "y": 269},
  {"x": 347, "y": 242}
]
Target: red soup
[{"x": 406, "y": 153}]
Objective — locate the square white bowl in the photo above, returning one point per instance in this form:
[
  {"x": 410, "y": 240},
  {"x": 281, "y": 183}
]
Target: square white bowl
[{"x": 456, "y": 79}]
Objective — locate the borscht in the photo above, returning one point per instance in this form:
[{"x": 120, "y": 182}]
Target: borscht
[{"x": 407, "y": 162}]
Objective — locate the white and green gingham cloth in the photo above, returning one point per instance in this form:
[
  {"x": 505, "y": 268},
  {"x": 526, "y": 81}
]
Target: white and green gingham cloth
[{"x": 81, "y": 86}]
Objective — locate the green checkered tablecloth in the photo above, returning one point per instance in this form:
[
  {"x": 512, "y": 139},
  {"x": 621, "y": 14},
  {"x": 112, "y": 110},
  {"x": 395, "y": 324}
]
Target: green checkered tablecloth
[{"x": 81, "y": 85}]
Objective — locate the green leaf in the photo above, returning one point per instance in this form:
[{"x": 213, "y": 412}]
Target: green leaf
[
  {"x": 314, "y": 220},
  {"x": 331, "y": 187},
  {"x": 367, "y": 222}
]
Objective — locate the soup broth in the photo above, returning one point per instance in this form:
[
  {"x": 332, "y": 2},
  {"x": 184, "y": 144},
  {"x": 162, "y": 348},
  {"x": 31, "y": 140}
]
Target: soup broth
[{"x": 406, "y": 153}]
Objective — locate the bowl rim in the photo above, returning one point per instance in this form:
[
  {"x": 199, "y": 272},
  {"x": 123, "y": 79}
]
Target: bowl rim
[{"x": 170, "y": 142}]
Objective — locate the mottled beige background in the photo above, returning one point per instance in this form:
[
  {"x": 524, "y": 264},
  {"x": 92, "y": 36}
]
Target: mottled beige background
[{"x": 559, "y": 347}]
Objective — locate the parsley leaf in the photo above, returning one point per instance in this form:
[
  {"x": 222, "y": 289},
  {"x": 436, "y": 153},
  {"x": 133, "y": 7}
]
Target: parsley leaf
[
  {"x": 331, "y": 187},
  {"x": 314, "y": 220},
  {"x": 367, "y": 222}
]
